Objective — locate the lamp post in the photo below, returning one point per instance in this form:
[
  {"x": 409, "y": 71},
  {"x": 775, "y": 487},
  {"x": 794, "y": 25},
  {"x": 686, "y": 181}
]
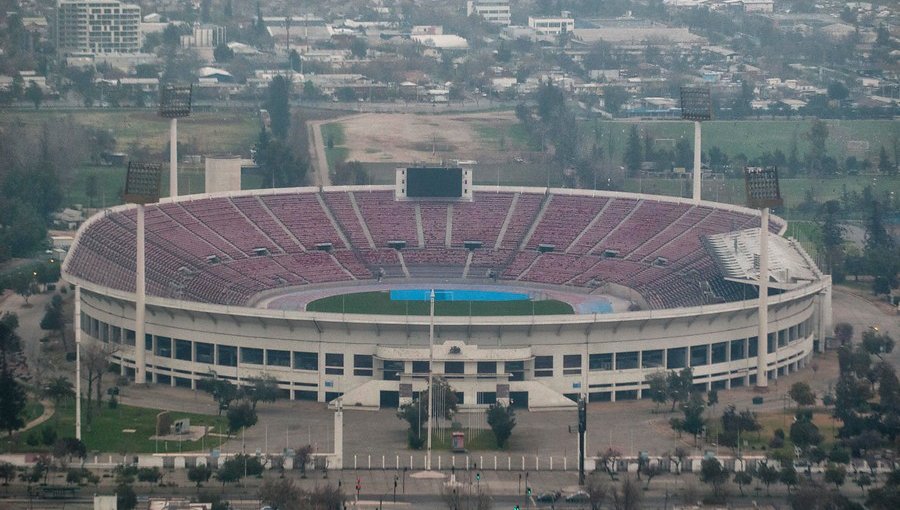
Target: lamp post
[
  {"x": 763, "y": 192},
  {"x": 430, "y": 378},
  {"x": 696, "y": 106},
  {"x": 141, "y": 187},
  {"x": 174, "y": 103}
]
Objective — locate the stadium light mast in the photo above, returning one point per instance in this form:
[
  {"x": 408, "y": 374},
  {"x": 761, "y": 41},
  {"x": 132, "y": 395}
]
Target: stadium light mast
[
  {"x": 174, "y": 102},
  {"x": 78, "y": 362},
  {"x": 430, "y": 378},
  {"x": 696, "y": 106},
  {"x": 763, "y": 192},
  {"x": 141, "y": 187}
]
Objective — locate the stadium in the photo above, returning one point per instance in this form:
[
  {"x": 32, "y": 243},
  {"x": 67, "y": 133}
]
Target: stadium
[{"x": 550, "y": 293}]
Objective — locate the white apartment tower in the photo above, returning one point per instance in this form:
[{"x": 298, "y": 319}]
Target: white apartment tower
[
  {"x": 493, "y": 11},
  {"x": 97, "y": 26}
]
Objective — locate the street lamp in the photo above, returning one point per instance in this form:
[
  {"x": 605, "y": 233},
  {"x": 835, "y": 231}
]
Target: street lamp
[
  {"x": 696, "y": 106},
  {"x": 763, "y": 192},
  {"x": 174, "y": 102}
]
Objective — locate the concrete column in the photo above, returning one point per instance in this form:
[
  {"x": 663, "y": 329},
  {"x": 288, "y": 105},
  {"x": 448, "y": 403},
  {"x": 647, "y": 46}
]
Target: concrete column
[
  {"x": 698, "y": 174},
  {"x": 140, "y": 365},
  {"x": 762, "y": 381},
  {"x": 173, "y": 158},
  {"x": 339, "y": 438}
]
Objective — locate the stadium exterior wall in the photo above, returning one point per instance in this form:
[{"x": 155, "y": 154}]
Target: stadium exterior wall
[{"x": 560, "y": 355}]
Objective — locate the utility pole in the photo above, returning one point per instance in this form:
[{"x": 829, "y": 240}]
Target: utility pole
[{"x": 582, "y": 428}]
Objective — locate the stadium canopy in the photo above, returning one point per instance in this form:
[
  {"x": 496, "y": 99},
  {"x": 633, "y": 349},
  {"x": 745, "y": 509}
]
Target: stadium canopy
[{"x": 737, "y": 254}]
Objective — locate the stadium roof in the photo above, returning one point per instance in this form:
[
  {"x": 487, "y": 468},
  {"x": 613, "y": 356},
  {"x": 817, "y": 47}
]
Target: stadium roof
[{"x": 737, "y": 255}]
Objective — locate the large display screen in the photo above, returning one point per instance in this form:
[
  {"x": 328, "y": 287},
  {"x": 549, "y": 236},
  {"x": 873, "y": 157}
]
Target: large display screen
[{"x": 434, "y": 182}]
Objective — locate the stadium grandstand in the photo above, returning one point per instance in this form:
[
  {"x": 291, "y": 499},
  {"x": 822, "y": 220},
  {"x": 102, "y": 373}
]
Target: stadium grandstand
[{"x": 229, "y": 277}]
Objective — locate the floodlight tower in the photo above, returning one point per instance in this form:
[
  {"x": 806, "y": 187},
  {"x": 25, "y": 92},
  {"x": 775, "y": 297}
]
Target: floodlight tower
[
  {"x": 141, "y": 187},
  {"x": 696, "y": 106},
  {"x": 430, "y": 378},
  {"x": 762, "y": 193},
  {"x": 174, "y": 102},
  {"x": 78, "y": 362}
]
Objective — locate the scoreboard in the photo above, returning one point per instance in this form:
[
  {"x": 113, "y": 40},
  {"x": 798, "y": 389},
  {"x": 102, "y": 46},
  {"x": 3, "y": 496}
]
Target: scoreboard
[{"x": 436, "y": 183}]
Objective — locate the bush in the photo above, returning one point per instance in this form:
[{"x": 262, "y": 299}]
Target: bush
[
  {"x": 415, "y": 441},
  {"x": 32, "y": 439},
  {"x": 48, "y": 436}
]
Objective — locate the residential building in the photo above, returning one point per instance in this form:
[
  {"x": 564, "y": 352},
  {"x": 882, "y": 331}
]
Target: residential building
[
  {"x": 493, "y": 11},
  {"x": 552, "y": 25},
  {"x": 97, "y": 26}
]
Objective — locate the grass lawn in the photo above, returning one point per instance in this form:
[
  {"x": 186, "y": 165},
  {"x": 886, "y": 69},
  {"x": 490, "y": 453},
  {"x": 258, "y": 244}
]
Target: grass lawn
[
  {"x": 336, "y": 153},
  {"x": 474, "y": 440},
  {"x": 380, "y": 303},
  {"x": 782, "y": 419},
  {"x": 33, "y": 409},
  {"x": 105, "y": 432}
]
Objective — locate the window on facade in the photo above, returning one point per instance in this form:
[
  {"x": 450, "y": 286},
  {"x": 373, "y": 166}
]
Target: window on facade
[
  {"x": 601, "y": 361},
  {"x": 392, "y": 370},
  {"x": 203, "y": 352},
  {"x": 362, "y": 364},
  {"x": 737, "y": 349},
  {"x": 626, "y": 360},
  {"x": 227, "y": 355},
  {"x": 516, "y": 370},
  {"x": 454, "y": 367},
  {"x": 782, "y": 338},
  {"x": 129, "y": 337},
  {"x": 163, "y": 347},
  {"x": 306, "y": 361},
  {"x": 571, "y": 364},
  {"x": 719, "y": 352},
  {"x": 148, "y": 342},
  {"x": 543, "y": 366},
  {"x": 652, "y": 359},
  {"x": 698, "y": 355},
  {"x": 183, "y": 350},
  {"x": 252, "y": 356},
  {"x": 487, "y": 397},
  {"x": 487, "y": 367},
  {"x": 420, "y": 367},
  {"x": 771, "y": 342},
  {"x": 334, "y": 363},
  {"x": 753, "y": 347},
  {"x": 278, "y": 358},
  {"x": 676, "y": 358}
]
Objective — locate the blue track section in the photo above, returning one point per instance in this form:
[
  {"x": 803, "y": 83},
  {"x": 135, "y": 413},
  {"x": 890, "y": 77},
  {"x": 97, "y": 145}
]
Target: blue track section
[{"x": 455, "y": 295}]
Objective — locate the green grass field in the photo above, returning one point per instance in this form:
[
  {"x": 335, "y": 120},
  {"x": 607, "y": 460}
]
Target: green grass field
[
  {"x": 379, "y": 303},
  {"x": 105, "y": 432}
]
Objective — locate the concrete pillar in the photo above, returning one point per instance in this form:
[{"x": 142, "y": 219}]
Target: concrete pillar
[
  {"x": 140, "y": 365},
  {"x": 339, "y": 438},
  {"x": 762, "y": 381}
]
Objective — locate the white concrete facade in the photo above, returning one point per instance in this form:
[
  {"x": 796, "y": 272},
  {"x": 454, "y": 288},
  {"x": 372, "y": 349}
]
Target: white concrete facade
[
  {"x": 97, "y": 27},
  {"x": 496, "y": 12}
]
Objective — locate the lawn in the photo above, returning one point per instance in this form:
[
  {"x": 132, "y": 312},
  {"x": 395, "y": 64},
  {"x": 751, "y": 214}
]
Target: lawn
[
  {"x": 105, "y": 433},
  {"x": 333, "y": 137},
  {"x": 474, "y": 439},
  {"x": 782, "y": 419},
  {"x": 379, "y": 303}
]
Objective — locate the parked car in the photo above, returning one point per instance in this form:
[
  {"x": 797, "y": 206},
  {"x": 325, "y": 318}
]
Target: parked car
[
  {"x": 548, "y": 497},
  {"x": 578, "y": 497}
]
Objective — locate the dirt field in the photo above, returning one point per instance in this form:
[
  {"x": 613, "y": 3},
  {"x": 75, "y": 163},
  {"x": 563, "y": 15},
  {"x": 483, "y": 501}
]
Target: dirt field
[{"x": 381, "y": 137}]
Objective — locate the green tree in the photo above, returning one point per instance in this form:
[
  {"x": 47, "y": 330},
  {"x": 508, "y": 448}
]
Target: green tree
[
  {"x": 223, "y": 53},
  {"x": 802, "y": 394},
  {"x": 767, "y": 475},
  {"x": 633, "y": 154},
  {"x": 502, "y": 420},
  {"x": 91, "y": 188},
  {"x": 53, "y": 319},
  {"x": 241, "y": 415},
  {"x": 126, "y": 499},
  {"x": 614, "y": 97},
  {"x": 835, "y": 474},
  {"x": 35, "y": 94},
  {"x": 278, "y": 106},
  {"x": 350, "y": 172},
  {"x": 713, "y": 473},
  {"x": 884, "y": 163},
  {"x": 359, "y": 47},
  {"x": 681, "y": 385},
  {"x": 742, "y": 478},
  {"x": 199, "y": 474},
  {"x": 876, "y": 343},
  {"x": 222, "y": 390},
  {"x": 12, "y": 401},
  {"x": 658, "y": 387},
  {"x": 818, "y": 137},
  {"x": 261, "y": 389},
  {"x": 693, "y": 415},
  {"x": 832, "y": 240}
]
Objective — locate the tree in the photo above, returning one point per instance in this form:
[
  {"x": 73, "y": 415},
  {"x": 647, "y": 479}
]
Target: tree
[
  {"x": 278, "y": 106},
  {"x": 149, "y": 475},
  {"x": 199, "y": 474},
  {"x": 241, "y": 415},
  {"x": 835, "y": 474},
  {"x": 230, "y": 471},
  {"x": 12, "y": 401},
  {"x": 788, "y": 476},
  {"x": 802, "y": 394},
  {"x": 817, "y": 136},
  {"x": 884, "y": 163},
  {"x": 502, "y": 420},
  {"x": 7, "y": 472},
  {"x": 804, "y": 432},
  {"x": 713, "y": 473},
  {"x": 832, "y": 239},
  {"x": 596, "y": 489},
  {"x": 68, "y": 447},
  {"x": 837, "y": 91},
  {"x": 95, "y": 363},
  {"x": 607, "y": 462},
  {"x": 350, "y": 172},
  {"x": 126, "y": 499},
  {"x": 843, "y": 333},
  {"x": 681, "y": 385},
  {"x": 693, "y": 415},
  {"x": 223, "y": 53},
  {"x": 222, "y": 390},
  {"x": 767, "y": 475},
  {"x": 658, "y": 387},
  {"x": 91, "y": 188},
  {"x": 627, "y": 496},
  {"x": 862, "y": 481},
  {"x": 301, "y": 458},
  {"x": 886, "y": 497},
  {"x": 742, "y": 478},
  {"x": 359, "y": 47},
  {"x": 59, "y": 389},
  {"x": 35, "y": 94},
  {"x": 53, "y": 319},
  {"x": 613, "y": 98},
  {"x": 876, "y": 343},
  {"x": 633, "y": 155},
  {"x": 261, "y": 389}
]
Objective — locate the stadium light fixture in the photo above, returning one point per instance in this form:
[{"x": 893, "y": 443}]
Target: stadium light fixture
[
  {"x": 142, "y": 183},
  {"x": 763, "y": 192},
  {"x": 696, "y": 106},
  {"x": 174, "y": 103},
  {"x": 141, "y": 187}
]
